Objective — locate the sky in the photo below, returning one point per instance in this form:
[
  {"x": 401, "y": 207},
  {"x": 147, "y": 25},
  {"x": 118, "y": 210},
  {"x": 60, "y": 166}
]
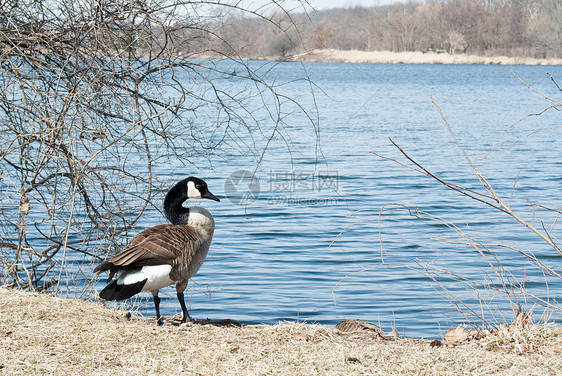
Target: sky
[
  {"x": 326, "y": 4},
  {"x": 323, "y": 4}
]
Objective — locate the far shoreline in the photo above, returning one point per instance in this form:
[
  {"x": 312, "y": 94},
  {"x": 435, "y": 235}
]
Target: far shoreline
[{"x": 411, "y": 57}]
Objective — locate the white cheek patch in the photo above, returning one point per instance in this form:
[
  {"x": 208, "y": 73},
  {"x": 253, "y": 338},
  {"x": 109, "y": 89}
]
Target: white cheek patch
[{"x": 192, "y": 192}]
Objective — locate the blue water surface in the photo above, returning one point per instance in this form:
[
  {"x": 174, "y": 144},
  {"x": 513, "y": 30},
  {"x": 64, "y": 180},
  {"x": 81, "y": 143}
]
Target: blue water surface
[{"x": 337, "y": 232}]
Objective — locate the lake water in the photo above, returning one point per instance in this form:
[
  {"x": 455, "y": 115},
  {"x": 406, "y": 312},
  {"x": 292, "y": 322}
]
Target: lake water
[{"x": 329, "y": 236}]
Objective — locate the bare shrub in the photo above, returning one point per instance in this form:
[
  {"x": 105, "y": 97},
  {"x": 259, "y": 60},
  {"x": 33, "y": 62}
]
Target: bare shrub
[
  {"x": 96, "y": 100},
  {"x": 479, "y": 294}
]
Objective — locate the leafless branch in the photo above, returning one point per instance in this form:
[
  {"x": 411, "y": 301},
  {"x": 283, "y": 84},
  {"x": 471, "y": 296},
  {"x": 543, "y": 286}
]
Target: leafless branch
[{"x": 93, "y": 95}]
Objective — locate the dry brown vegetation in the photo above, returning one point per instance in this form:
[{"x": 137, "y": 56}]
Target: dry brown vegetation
[
  {"x": 513, "y": 28},
  {"x": 40, "y": 334},
  {"x": 417, "y": 57},
  {"x": 94, "y": 100}
]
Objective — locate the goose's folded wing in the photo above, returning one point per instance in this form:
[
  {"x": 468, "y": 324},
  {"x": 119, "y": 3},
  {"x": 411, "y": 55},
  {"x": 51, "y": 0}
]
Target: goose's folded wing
[{"x": 157, "y": 245}]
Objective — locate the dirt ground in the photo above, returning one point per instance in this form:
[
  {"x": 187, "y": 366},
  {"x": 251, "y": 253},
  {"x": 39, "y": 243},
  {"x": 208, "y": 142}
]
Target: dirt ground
[{"x": 43, "y": 335}]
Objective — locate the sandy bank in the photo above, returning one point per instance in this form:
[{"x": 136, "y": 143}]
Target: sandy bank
[
  {"x": 415, "y": 58},
  {"x": 40, "y": 334}
]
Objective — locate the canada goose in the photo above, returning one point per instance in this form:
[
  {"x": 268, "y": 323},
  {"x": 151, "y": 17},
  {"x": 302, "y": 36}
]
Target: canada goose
[{"x": 165, "y": 254}]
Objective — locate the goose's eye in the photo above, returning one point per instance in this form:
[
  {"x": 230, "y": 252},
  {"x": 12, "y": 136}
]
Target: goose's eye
[{"x": 198, "y": 186}]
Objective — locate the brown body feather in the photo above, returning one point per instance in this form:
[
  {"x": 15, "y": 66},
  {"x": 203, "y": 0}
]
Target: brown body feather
[{"x": 177, "y": 245}]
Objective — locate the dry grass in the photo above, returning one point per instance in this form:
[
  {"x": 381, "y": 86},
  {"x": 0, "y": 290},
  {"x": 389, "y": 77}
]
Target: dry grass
[
  {"x": 40, "y": 334},
  {"x": 416, "y": 57}
]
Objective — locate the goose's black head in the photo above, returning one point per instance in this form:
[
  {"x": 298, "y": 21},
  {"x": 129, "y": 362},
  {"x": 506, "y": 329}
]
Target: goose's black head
[
  {"x": 197, "y": 188},
  {"x": 190, "y": 187}
]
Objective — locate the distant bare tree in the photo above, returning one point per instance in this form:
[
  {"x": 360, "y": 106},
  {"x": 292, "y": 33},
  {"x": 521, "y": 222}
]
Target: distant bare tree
[
  {"x": 323, "y": 33},
  {"x": 486, "y": 27},
  {"x": 456, "y": 43},
  {"x": 94, "y": 96}
]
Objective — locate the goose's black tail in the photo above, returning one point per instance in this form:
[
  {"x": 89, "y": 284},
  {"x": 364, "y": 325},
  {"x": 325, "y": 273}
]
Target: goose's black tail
[{"x": 115, "y": 291}]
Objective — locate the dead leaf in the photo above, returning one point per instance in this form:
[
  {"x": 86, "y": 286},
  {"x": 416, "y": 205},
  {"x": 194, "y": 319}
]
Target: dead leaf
[
  {"x": 436, "y": 343},
  {"x": 300, "y": 336},
  {"x": 459, "y": 334},
  {"x": 352, "y": 359}
]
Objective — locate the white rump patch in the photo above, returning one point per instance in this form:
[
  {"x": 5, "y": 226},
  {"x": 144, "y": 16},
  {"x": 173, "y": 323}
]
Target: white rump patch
[
  {"x": 157, "y": 277},
  {"x": 192, "y": 192}
]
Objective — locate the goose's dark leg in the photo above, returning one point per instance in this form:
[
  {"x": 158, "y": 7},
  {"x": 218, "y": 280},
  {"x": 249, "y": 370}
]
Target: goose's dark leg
[
  {"x": 185, "y": 316},
  {"x": 180, "y": 287},
  {"x": 157, "y": 307}
]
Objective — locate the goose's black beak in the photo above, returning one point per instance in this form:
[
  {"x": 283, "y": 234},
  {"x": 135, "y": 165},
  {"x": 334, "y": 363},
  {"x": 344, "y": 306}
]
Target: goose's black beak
[{"x": 210, "y": 196}]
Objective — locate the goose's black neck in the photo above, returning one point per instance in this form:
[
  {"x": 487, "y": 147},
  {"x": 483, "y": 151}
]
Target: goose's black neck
[{"x": 174, "y": 210}]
